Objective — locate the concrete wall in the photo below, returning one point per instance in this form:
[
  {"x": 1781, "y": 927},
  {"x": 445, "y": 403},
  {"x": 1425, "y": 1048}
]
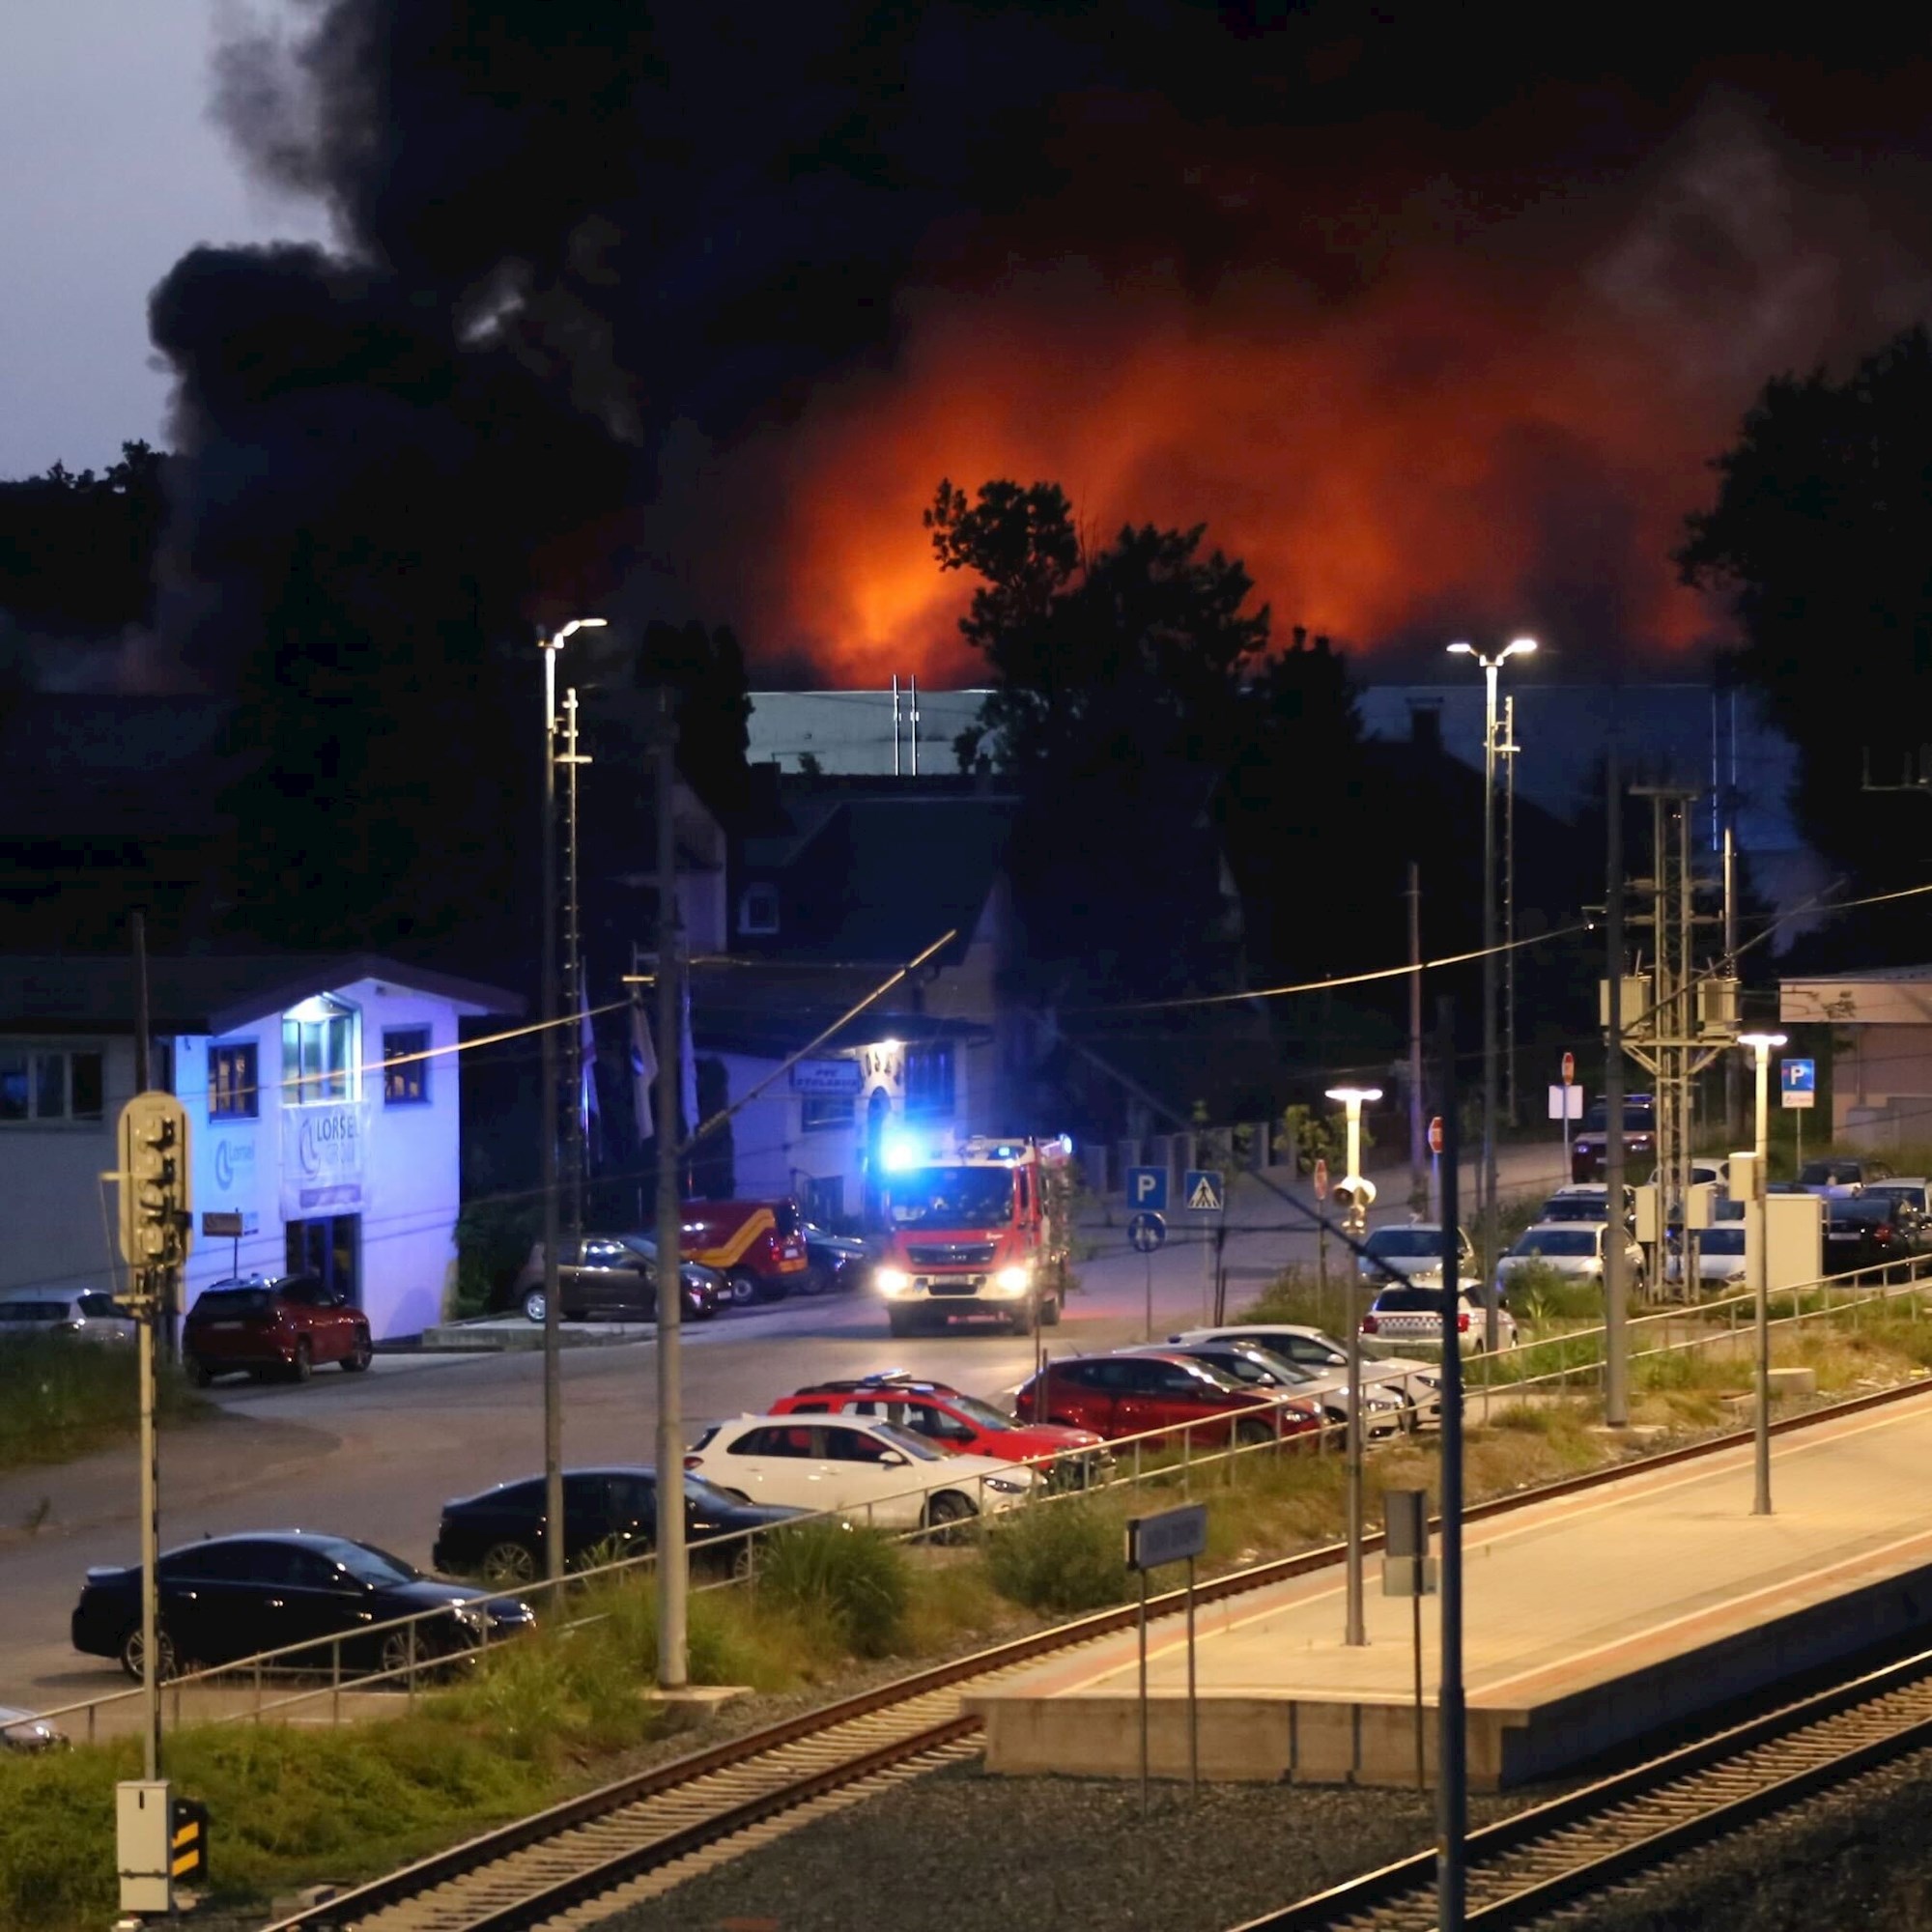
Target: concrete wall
[{"x": 60, "y": 1222}]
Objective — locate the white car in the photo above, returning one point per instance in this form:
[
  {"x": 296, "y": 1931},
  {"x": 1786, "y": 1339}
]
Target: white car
[
  {"x": 1311, "y": 1349},
  {"x": 1415, "y": 1248},
  {"x": 1721, "y": 1256},
  {"x": 875, "y": 1473},
  {"x": 24, "y": 1731},
  {"x": 1573, "y": 1248},
  {"x": 1399, "y": 1315},
  {"x": 89, "y": 1315}
]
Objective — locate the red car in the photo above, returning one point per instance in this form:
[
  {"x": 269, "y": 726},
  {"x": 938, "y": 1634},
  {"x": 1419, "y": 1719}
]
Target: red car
[
  {"x": 1131, "y": 1395},
  {"x": 952, "y": 1419},
  {"x": 274, "y": 1324}
]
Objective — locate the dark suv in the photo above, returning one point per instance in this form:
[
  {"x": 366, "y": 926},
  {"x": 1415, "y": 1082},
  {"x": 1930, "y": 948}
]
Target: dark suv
[{"x": 274, "y": 1324}]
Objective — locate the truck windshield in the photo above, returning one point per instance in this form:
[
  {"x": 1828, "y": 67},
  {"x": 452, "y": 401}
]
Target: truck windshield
[{"x": 952, "y": 1197}]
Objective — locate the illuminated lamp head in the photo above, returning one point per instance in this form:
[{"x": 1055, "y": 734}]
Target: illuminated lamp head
[{"x": 899, "y": 1150}]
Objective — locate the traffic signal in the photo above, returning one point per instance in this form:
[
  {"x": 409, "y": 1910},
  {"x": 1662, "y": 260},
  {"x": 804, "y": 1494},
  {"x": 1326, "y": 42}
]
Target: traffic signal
[{"x": 156, "y": 1208}]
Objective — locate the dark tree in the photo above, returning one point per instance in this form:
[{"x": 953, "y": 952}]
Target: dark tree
[
  {"x": 1821, "y": 538},
  {"x": 77, "y": 549}
]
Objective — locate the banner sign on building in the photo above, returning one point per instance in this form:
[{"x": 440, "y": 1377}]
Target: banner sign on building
[
  {"x": 826, "y": 1076},
  {"x": 322, "y": 1150}
]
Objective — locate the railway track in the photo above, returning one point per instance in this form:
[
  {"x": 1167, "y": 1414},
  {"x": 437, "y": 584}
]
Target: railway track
[
  {"x": 1555, "y": 1856},
  {"x": 570, "y": 1866}
]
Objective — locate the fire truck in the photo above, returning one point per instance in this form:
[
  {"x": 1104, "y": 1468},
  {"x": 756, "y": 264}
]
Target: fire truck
[{"x": 978, "y": 1226}]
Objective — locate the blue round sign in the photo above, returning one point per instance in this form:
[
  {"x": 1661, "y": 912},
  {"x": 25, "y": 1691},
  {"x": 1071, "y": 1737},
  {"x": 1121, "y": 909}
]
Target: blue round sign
[{"x": 1147, "y": 1230}]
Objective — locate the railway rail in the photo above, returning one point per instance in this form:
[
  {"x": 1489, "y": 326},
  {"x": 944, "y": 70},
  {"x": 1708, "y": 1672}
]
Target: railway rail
[
  {"x": 568, "y": 1865},
  {"x": 1610, "y": 1833}
]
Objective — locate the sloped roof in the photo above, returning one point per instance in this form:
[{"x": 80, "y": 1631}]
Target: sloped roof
[
  {"x": 879, "y": 877},
  {"x": 204, "y": 994}
]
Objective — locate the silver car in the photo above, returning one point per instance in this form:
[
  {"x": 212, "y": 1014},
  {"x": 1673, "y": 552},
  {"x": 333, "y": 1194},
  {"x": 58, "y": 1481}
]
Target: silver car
[
  {"x": 1420, "y": 1383},
  {"x": 1384, "y": 1410},
  {"x": 1574, "y": 1248},
  {"x": 24, "y": 1731},
  {"x": 1413, "y": 1249},
  {"x": 88, "y": 1315},
  {"x": 1721, "y": 1256}
]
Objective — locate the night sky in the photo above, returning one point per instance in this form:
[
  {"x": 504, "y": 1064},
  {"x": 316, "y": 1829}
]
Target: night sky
[{"x": 1436, "y": 326}]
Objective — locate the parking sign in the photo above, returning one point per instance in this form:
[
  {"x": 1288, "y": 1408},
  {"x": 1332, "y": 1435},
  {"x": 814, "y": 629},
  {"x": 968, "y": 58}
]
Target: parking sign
[{"x": 1147, "y": 1189}]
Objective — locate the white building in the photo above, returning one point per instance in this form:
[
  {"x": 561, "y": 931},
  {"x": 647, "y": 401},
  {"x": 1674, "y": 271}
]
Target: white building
[{"x": 323, "y": 1099}]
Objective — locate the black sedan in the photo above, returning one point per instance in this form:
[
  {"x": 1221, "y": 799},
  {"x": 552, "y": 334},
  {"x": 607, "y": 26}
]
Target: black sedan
[
  {"x": 834, "y": 1262},
  {"x": 607, "y": 1514},
  {"x": 1867, "y": 1232},
  {"x": 229, "y": 1597}
]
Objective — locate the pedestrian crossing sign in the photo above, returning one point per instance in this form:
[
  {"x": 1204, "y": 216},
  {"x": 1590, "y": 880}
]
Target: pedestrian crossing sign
[{"x": 1202, "y": 1190}]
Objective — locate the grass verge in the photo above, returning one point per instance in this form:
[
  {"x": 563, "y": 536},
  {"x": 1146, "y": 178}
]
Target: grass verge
[{"x": 60, "y": 1399}]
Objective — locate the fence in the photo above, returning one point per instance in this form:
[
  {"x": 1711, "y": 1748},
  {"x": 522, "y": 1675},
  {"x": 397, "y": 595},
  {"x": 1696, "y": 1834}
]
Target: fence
[{"x": 411, "y": 1650}]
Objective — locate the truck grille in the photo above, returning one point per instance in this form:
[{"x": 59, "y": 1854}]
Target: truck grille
[{"x": 952, "y": 1254}]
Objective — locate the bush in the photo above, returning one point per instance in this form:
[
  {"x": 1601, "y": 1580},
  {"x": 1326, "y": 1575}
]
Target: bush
[
  {"x": 59, "y": 1399},
  {"x": 854, "y": 1580},
  {"x": 1539, "y": 1294},
  {"x": 1060, "y": 1558},
  {"x": 493, "y": 1241}
]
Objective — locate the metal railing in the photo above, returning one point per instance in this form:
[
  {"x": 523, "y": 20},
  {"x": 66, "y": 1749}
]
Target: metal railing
[{"x": 1172, "y": 1454}]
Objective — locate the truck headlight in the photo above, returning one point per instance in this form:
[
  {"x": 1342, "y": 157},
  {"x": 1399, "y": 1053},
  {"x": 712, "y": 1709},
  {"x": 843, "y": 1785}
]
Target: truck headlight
[
  {"x": 1015, "y": 1280},
  {"x": 892, "y": 1281}
]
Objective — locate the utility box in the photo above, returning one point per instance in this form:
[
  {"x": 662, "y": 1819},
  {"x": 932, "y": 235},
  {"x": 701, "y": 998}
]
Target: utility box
[
  {"x": 1699, "y": 1201},
  {"x": 1795, "y": 1226},
  {"x": 144, "y": 1847},
  {"x": 1717, "y": 1010},
  {"x": 1648, "y": 1207},
  {"x": 1638, "y": 1000}
]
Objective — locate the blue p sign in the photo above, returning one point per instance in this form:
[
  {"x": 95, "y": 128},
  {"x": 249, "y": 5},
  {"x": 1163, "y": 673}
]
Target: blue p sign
[{"x": 1147, "y": 1189}]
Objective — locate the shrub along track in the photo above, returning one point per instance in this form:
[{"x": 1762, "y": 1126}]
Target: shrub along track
[{"x": 571, "y": 1864}]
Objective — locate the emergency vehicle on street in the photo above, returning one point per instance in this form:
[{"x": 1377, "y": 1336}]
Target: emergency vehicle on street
[{"x": 979, "y": 1228}]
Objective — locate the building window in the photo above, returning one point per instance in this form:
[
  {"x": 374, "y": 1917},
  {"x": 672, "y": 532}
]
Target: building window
[
  {"x": 48, "y": 1083},
  {"x": 929, "y": 1080},
  {"x": 233, "y": 1092},
  {"x": 405, "y": 1066},
  {"x": 759, "y": 909},
  {"x": 318, "y": 1053},
  {"x": 818, "y": 1112}
]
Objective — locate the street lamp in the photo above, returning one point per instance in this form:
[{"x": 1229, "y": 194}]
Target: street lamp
[
  {"x": 1758, "y": 1238},
  {"x": 1353, "y": 1195},
  {"x": 552, "y": 1380},
  {"x": 1492, "y": 667}
]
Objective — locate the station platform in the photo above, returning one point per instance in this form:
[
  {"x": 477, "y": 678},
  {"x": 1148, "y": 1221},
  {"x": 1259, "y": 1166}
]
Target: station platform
[{"x": 1589, "y": 1623}]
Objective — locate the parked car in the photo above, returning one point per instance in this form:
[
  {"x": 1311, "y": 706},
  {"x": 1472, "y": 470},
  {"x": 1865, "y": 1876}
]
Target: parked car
[
  {"x": 1587, "y": 1150},
  {"x": 1721, "y": 1256},
  {"x": 1572, "y": 1248},
  {"x": 1383, "y": 1409},
  {"x": 89, "y": 1315},
  {"x": 833, "y": 1261},
  {"x": 1585, "y": 1203},
  {"x": 1399, "y": 1315},
  {"x": 25, "y": 1731},
  {"x": 875, "y": 1471},
  {"x": 1838, "y": 1177},
  {"x": 1414, "y": 1248},
  {"x": 274, "y": 1324},
  {"x": 1861, "y": 1233},
  {"x": 499, "y": 1534},
  {"x": 612, "y": 1275},
  {"x": 232, "y": 1595},
  {"x": 956, "y": 1421},
  {"x": 758, "y": 1246},
  {"x": 1131, "y": 1395},
  {"x": 1911, "y": 1203},
  {"x": 1420, "y": 1383}
]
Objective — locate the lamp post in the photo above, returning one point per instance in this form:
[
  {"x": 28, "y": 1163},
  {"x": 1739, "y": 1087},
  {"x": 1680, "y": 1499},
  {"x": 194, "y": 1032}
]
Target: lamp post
[
  {"x": 553, "y": 1378},
  {"x": 1492, "y": 668},
  {"x": 1761, "y": 1044},
  {"x": 1354, "y": 1195}
]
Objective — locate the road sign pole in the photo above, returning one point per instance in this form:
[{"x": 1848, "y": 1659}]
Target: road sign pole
[{"x": 1146, "y": 1255}]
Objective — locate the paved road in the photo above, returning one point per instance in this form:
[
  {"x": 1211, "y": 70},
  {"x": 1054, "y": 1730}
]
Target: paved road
[{"x": 376, "y": 1456}]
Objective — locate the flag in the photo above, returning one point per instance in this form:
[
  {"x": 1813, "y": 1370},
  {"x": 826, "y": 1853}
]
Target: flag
[
  {"x": 586, "y": 1100},
  {"x": 643, "y": 1066},
  {"x": 687, "y": 1062}
]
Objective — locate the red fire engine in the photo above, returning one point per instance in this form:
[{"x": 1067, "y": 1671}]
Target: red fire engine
[{"x": 977, "y": 1228}]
